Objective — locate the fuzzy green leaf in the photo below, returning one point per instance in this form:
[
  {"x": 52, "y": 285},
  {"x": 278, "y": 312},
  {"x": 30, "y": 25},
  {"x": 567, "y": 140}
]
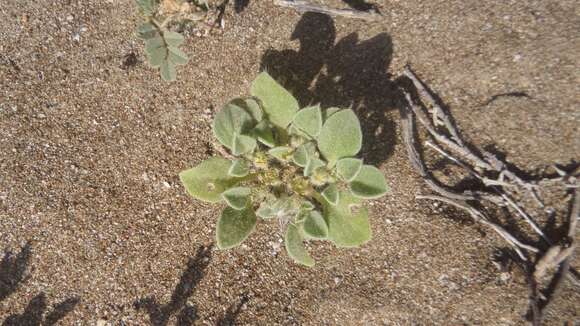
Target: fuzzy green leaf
[
  {"x": 348, "y": 168},
  {"x": 234, "y": 226},
  {"x": 281, "y": 153},
  {"x": 263, "y": 132},
  {"x": 173, "y": 38},
  {"x": 313, "y": 163},
  {"x": 328, "y": 112},
  {"x": 208, "y": 180},
  {"x": 278, "y": 104},
  {"x": 314, "y": 226},
  {"x": 306, "y": 205},
  {"x": 147, "y": 31},
  {"x": 301, "y": 156},
  {"x": 243, "y": 144},
  {"x": 309, "y": 120},
  {"x": 369, "y": 183},
  {"x": 230, "y": 120},
  {"x": 294, "y": 242},
  {"x": 348, "y": 224},
  {"x": 254, "y": 109},
  {"x": 239, "y": 168},
  {"x": 237, "y": 197},
  {"x": 176, "y": 56},
  {"x": 265, "y": 211},
  {"x": 341, "y": 136},
  {"x": 330, "y": 193},
  {"x": 147, "y": 7},
  {"x": 167, "y": 70},
  {"x": 294, "y": 131}
]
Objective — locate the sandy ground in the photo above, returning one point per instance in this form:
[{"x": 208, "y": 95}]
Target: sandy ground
[{"x": 90, "y": 149}]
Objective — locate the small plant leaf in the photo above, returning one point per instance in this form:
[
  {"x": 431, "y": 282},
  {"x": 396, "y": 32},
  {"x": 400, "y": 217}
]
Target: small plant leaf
[
  {"x": 328, "y": 112},
  {"x": 147, "y": 7},
  {"x": 230, "y": 120},
  {"x": 294, "y": 131},
  {"x": 341, "y": 136},
  {"x": 176, "y": 56},
  {"x": 263, "y": 132},
  {"x": 237, "y": 197},
  {"x": 312, "y": 165},
  {"x": 278, "y": 104},
  {"x": 348, "y": 168},
  {"x": 239, "y": 168},
  {"x": 281, "y": 153},
  {"x": 330, "y": 193},
  {"x": 265, "y": 211},
  {"x": 234, "y": 226},
  {"x": 243, "y": 144},
  {"x": 173, "y": 38},
  {"x": 309, "y": 120},
  {"x": 306, "y": 205},
  {"x": 348, "y": 224},
  {"x": 369, "y": 183},
  {"x": 254, "y": 109},
  {"x": 314, "y": 226},
  {"x": 208, "y": 180},
  {"x": 294, "y": 242},
  {"x": 168, "y": 72},
  {"x": 147, "y": 31},
  {"x": 301, "y": 156}
]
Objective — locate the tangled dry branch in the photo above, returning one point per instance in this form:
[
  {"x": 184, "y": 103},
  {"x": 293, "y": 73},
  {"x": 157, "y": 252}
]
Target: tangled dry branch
[{"x": 502, "y": 187}]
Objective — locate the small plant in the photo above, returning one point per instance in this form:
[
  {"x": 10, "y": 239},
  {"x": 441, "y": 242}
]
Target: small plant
[
  {"x": 293, "y": 165},
  {"x": 162, "y": 44}
]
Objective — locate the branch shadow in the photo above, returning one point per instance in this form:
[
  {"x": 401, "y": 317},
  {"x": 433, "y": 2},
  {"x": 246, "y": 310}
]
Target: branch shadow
[
  {"x": 349, "y": 73},
  {"x": 159, "y": 315},
  {"x": 234, "y": 310},
  {"x": 13, "y": 270}
]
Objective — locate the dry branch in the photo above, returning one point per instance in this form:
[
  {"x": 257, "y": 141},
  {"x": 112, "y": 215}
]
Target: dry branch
[
  {"x": 502, "y": 186},
  {"x": 305, "y": 6}
]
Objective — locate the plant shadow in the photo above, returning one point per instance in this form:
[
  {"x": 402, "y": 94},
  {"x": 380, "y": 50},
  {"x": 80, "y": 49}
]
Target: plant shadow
[
  {"x": 159, "y": 314},
  {"x": 14, "y": 272},
  {"x": 234, "y": 310},
  {"x": 349, "y": 73}
]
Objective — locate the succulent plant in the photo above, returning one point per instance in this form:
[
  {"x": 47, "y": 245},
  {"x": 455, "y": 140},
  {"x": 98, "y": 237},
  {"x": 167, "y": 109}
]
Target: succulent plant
[{"x": 297, "y": 166}]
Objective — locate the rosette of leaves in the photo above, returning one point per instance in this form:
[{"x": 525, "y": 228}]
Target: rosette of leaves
[
  {"x": 297, "y": 166},
  {"x": 161, "y": 44}
]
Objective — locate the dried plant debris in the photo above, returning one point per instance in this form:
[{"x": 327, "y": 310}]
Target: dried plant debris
[{"x": 499, "y": 186}]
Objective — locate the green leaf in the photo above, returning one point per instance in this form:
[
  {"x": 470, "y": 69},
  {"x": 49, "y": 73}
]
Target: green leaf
[
  {"x": 278, "y": 104},
  {"x": 239, "y": 168},
  {"x": 147, "y": 31},
  {"x": 294, "y": 242},
  {"x": 306, "y": 205},
  {"x": 331, "y": 194},
  {"x": 147, "y": 7},
  {"x": 369, "y": 183},
  {"x": 301, "y": 156},
  {"x": 348, "y": 168},
  {"x": 237, "y": 197},
  {"x": 156, "y": 56},
  {"x": 231, "y": 119},
  {"x": 348, "y": 224},
  {"x": 263, "y": 132},
  {"x": 309, "y": 120},
  {"x": 176, "y": 56},
  {"x": 243, "y": 144},
  {"x": 208, "y": 180},
  {"x": 314, "y": 226},
  {"x": 265, "y": 211},
  {"x": 173, "y": 38},
  {"x": 341, "y": 136},
  {"x": 254, "y": 109},
  {"x": 281, "y": 153},
  {"x": 313, "y": 163},
  {"x": 294, "y": 131},
  {"x": 168, "y": 72},
  {"x": 234, "y": 226},
  {"x": 328, "y": 112}
]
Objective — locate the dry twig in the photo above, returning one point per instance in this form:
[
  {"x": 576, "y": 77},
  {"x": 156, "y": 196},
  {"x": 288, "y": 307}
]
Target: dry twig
[
  {"x": 501, "y": 187},
  {"x": 305, "y": 6}
]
